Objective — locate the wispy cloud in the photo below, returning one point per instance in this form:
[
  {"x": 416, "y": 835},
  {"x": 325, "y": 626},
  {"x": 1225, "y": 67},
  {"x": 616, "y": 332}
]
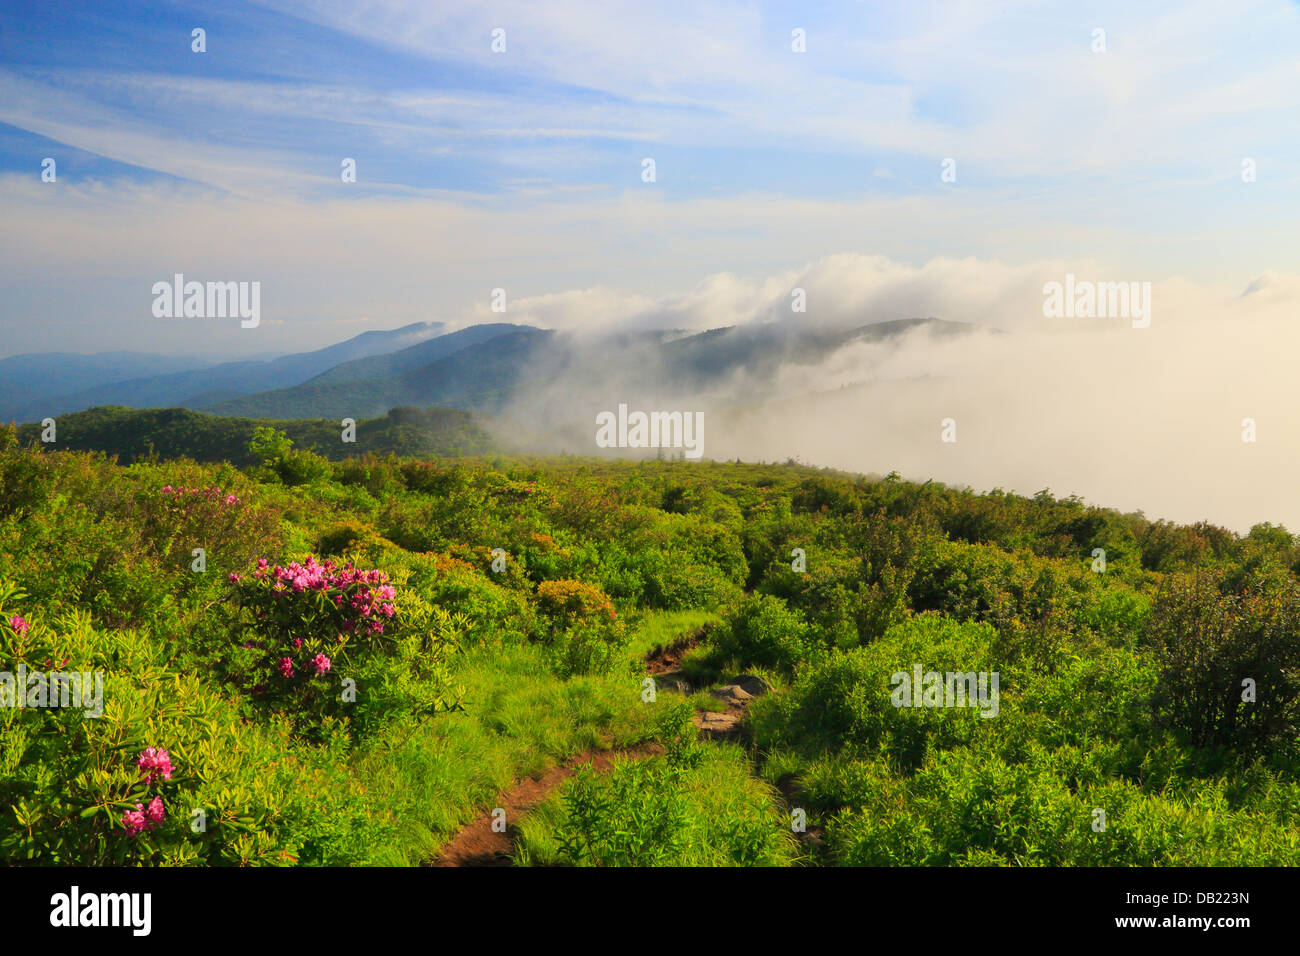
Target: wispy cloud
[{"x": 522, "y": 169}]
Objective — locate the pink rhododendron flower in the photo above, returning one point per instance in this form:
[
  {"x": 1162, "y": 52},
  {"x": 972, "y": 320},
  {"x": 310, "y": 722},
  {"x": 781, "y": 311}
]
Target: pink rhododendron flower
[
  {"x": 354, "y": 601},
  {"x": 19, "y": 625},
  {"x": 134, "y": 820},
  {"x": 156, "y": 811},
  {"x": 140, "y": 819},
  {"x": 154, "y": 763}
]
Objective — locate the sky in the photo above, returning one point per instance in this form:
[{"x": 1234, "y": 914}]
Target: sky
[{"x": 522, "y": 168}]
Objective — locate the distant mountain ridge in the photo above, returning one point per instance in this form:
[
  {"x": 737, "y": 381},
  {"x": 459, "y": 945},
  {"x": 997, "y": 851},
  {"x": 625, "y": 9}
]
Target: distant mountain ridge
[
  {"x": 24, "y": 378},
  {"x": 487, "y": 368},
  {"x": 497, "y": 369},
  {"x": 147, "y": 381}
]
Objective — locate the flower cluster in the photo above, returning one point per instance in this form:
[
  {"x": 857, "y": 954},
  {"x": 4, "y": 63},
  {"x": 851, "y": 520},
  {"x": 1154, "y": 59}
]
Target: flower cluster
[
  {"x": 141, "y": 819},
  {"x": 155, "y": 764},
  {"x": 306, "y": 613},
  {"x": 19, "y": 625},
  {"x": 367, "y": 594},
  {"x": 211, "y": 494}
]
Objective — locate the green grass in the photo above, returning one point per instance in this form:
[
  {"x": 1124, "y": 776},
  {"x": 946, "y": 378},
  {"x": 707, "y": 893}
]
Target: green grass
[
  {"x": 659, "y": 629},
  {"x": 710, "y": 812},
  {"x": 519, "y": 720}
]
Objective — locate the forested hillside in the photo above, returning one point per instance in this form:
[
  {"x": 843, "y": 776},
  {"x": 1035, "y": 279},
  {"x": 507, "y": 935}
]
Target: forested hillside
[
  {"x": 313, "y": 662},
  {"x": 128, "y": 434}
]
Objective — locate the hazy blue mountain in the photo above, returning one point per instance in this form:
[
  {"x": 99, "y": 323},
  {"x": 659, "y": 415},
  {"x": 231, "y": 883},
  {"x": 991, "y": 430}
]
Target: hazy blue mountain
[
  {"x": 392, "y": 364},
  {"x": 469, "y": 371},
  {"x": 31, "y": 378},
  {"x": 195, "y": 387},
  {"x": 492, "y": 369}
]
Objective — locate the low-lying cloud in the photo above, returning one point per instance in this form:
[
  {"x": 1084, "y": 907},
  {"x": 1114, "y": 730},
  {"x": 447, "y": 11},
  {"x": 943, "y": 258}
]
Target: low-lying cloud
[{"x": 1148, "y": 419}]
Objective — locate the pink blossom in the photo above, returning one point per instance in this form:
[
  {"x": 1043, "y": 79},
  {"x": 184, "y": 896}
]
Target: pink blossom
[
  {"x": 134, "y": 820},
  {"x": 321, "y": 663},
  {"x": 286, "y": 667},
  {"x": 154, "y": 763},
  {"x": 19, "y": 625}
]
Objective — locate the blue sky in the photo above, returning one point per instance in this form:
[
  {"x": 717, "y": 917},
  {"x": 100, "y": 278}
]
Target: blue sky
[{"x": 522, "y": 169}]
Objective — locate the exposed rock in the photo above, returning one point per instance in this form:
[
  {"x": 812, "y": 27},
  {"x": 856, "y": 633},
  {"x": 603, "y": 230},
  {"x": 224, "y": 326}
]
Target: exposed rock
[
  {"x": 732, "y": 694},
  {"x": 713, "y": 724},
  {"x": 672, "y": 682},
  {"x": 752, "y": 685}
]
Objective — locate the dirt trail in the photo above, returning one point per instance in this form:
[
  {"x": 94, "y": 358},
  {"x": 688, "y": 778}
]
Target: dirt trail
[
  {"x": 668, "y": 658},
  {"x": 663, "y": 665},
  {"x": 477, "y": 844}
]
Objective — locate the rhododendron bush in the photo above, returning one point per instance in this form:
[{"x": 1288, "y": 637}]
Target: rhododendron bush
[
  {"x": 322, "y": 639},
  {"x": 169, "y": 772},
  {"x": 78, "y": 531}
]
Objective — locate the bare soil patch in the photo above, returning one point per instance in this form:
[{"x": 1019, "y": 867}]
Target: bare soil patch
[{"x": 477, "y": 844}]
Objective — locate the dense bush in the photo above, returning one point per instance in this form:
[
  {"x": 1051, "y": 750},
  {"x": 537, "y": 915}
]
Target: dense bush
[
  {"x": 320, "y": 638},
  {"x": 846, "y": 700},
  {"x": 762, "y": 632},
  {"x": 583, "y": 632},
  {"x": 169, "y": 772},
  {"x": 1230, "y": 662}
]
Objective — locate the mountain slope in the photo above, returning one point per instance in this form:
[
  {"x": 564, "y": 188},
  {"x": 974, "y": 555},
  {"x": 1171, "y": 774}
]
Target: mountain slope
[
  {"x": 404, "y": 360},
  {"x": 196, "y": 387},
  {"x": 26, "y": 381},
  {"x": 469, "y": 377},
  {"x": 521, "y": 365}
]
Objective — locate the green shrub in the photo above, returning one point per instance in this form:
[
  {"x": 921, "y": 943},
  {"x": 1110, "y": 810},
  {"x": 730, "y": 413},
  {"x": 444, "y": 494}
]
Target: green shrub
[
  {"x": 846, "y": 700},
  {"x": 321, "y": 637},
  {"x": 236, "y": 793},
  {"x": 1219, "y": 649},
  {"x": 762, "y": 632}
]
